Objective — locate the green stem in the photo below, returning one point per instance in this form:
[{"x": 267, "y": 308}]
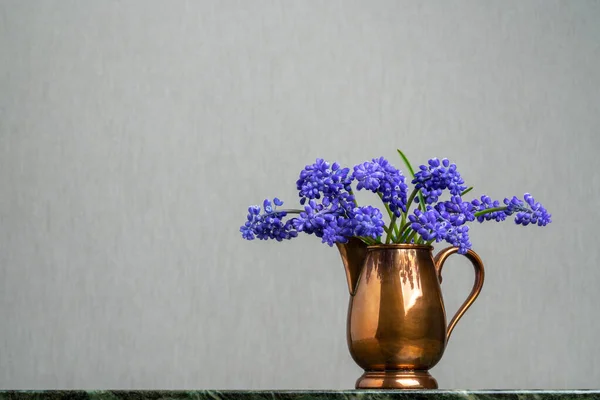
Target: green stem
[
  {"x": 403, "y": 229},
  {"x": 368, "y": 240},
  {"x": 467, "y": 190},
  {"x": 407, "y": 234},
  {"x": 390, "y": 229},
  {"x": 289, "y": 211},
  {"x": 387, "y": 207},
  {"x": 408, "y": 203},
  {"x": 412, "y": 173},
  {"x": 390, "y": 214},
  {"x": 402, "y": 223},
  {"x": 410, "y": 199},
  {"x": 489, "y": 210},
  {"x": 411, "y": 237},
  {"x": 422, "y": 204}
]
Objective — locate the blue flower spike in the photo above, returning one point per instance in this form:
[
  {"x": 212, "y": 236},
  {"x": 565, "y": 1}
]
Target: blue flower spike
[{"x": 330, "y": 211}]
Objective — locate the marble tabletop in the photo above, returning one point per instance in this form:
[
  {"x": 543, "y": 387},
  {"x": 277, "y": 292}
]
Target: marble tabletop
[{"x": 299, "y": 394}]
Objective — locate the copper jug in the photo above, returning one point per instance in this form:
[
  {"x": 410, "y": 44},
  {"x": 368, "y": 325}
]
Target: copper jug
[{"x": 396, "y": 327}]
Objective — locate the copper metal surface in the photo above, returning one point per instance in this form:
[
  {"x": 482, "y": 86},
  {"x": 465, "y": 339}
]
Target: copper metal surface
[
  {"x": 396, "y": 326},
  {"x": 439, "y": 260},
  {"x": 396, "y": 380},
  {"x": 353, "y": 255}
]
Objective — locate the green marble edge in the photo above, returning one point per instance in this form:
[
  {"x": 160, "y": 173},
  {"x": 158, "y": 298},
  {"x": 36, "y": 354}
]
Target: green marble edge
[{"x": 299, "y": 394}]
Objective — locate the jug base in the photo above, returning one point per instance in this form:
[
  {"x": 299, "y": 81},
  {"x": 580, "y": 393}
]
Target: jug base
[{"x": 400, "y": 379}]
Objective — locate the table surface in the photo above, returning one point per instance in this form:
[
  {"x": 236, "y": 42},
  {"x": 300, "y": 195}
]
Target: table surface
[{"x": 298, "y": 394}]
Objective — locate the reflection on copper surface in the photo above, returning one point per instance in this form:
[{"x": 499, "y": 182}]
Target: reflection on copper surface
[
  {"x": 411, "y": 284},
  {"x": 396, "y": 320}
]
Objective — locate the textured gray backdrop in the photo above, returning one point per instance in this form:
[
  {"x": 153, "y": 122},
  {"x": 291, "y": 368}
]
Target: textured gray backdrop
[{"x": 134, "y": 134}]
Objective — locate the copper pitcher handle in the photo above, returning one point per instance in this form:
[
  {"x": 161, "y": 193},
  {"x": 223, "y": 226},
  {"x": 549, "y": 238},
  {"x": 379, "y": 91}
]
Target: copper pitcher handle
[{"x": 439, "y": 260}]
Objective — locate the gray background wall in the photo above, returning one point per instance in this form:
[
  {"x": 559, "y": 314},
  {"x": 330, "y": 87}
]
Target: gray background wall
[{"x": 134, "y": 134}]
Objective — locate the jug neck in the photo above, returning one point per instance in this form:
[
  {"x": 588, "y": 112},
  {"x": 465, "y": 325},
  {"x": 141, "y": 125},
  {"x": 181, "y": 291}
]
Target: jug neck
[
  {"x": 354, "y": 253},
  {"x": 405, "y": 246}
]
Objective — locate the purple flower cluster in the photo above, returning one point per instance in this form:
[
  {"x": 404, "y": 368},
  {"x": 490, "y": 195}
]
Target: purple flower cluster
[
  {"x": 527, "y": 212},
  {"x": 535, "y": 214},
  {"x": 446, "y": 221},
  {"x": 459, "y": 237},
  {"x": 367, "y": 221},
  {"x": 456, "y": 211},
  {"x": 324, "y": 180},
  {"x": 330, "y": 211},
  {"x": 429, "y": 224},
  {"x": 436, "y": 177},
  {"x": 379, "y": 176},
  {"x": 336, "y": 224},
  {"x": 268, "y": 225},
  {"x": 313, "y": 218},
  {"x": 487, "y": 203},
  {"x": 336, "y": 231},
  {"x": 333, "y": 224}
]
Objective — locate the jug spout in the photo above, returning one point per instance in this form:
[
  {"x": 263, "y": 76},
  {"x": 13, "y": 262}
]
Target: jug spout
[{"x": 353, "y": 256}]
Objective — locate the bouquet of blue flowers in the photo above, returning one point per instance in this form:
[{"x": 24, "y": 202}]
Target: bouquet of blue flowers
[{"x": 332, "y": 213}]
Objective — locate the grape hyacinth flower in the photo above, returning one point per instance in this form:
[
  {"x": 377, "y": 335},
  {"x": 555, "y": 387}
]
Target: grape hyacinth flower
[
  {"x": 330, "y": 210},
  {"x": 436, "y": 177},
  {"x": 527, "y": 212},
  {"x": 430, "y": 224},
  {"x": 314, "y": 219},
  {"x": 456, "y": 211},
  {"x": 486, "y": 203},
  {"x": 435, "y": 225},
  {"x": 324, "y": 180},
  {"x": 367, "y": 221},
  {"x": 459, "y": 236},
  {"x": 268, "y": 225},
  {"x": 337, "y": 231},
  {"x": 534, "y": 214},
  {"x": 336, "y": 225},
  {"x": 379, "y": 176}
]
